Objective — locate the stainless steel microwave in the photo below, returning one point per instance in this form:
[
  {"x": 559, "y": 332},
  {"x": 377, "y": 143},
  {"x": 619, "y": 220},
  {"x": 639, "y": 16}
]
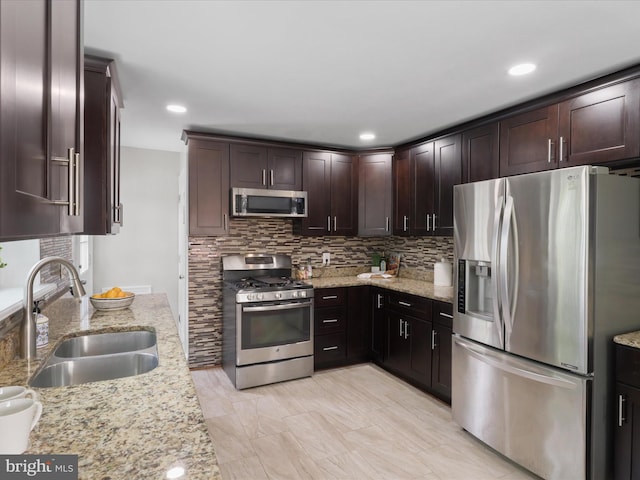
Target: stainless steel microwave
[{"x": 256, "y": 202}]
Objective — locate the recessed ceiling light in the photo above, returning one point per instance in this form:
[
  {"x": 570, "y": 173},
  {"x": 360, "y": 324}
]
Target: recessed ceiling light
[
  {"x": 367, "y": 136},
  {"x": 176, "y": 108},
  {"x": 522, "y": 69}
]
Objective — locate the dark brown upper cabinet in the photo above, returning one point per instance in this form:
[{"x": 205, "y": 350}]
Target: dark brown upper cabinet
[
  {"x": 423, "y": 187},
  {"x": 480, "y": 153},
  {"x": 208, "y": 187},
  {"x": 41, "y": 118},
  {"x": 330, "y": 180},
  {"x": 375, "y": 190},
  {"x": 594, "y": 128},
  {"x": 103, "y": 212},
  {"x": 255, "y": 166}
]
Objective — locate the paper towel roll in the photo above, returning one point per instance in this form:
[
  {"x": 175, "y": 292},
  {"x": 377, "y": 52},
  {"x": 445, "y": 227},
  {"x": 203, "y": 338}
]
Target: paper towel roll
[{"x": 442, "y": 274}]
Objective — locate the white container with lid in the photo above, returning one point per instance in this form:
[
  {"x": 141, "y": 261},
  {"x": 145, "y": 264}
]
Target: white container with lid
[{"x": 442, "y": 273}]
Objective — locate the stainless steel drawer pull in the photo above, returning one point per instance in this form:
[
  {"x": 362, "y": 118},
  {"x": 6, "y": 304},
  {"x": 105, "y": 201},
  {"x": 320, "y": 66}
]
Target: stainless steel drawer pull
[
  {"x": 402, "y": 328},
  {"x": 379, "y": 302},
  {"x": 621, "y": 418},
  {"x": 433, "y": 340},
  {"x": 549, "y": 144},
  {"x": 386, "y": 224},
  {"x": 560, "y": 148},
  {"x": 328, "y": 223},
  {"x": 446, "y": 315},
  {"x": 335, "y": 224},
  {"x": 428, "y": 219},
  {"x": 404, "y": 304},
  {"x": 271, "y": 175},
  {"x": 330, "y": 297},
  {"x": 326, "y": 349},
  {"x": 330, "y": 320},
  {"x": 264, "y": 177}
]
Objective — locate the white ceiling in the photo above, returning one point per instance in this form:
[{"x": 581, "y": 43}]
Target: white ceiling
[{"x": 322, "y": 72}]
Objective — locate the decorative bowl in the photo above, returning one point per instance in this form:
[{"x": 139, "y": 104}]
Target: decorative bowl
[{"x": 108, "y": 304}]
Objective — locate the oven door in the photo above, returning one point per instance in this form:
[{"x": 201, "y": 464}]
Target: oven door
[{"x": 272, "y": 331}]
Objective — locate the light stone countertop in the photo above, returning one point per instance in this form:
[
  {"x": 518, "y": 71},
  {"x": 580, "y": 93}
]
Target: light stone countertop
[
  {"x": 631, "y": 339},
  {"x": 420, "y": 288},
  {"x": 135, "y": 427}
]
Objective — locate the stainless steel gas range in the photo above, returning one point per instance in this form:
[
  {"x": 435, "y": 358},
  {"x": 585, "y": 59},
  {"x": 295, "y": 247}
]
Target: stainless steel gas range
[{"x": 267, "y": 321}]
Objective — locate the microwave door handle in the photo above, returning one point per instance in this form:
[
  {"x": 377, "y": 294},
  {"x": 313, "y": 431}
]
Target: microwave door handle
[{"x": 495, "y": 262}]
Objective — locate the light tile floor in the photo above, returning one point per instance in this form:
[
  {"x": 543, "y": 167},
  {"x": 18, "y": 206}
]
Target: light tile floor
[{"x": 350, "y": 423}]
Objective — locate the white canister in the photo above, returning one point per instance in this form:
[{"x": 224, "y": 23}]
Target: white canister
[{"x": 442, "y": 273}]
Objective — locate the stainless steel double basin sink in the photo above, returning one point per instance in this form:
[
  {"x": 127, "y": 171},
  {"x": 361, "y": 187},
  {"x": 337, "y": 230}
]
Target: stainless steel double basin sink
[{"x": 98, "y": 356}]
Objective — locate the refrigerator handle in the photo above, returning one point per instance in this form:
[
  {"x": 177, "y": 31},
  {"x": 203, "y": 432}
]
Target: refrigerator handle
[
  {"x": 505, "y": 366},
  {"x": 509, "y": 302},
  {"x": 497, "y": 222}
]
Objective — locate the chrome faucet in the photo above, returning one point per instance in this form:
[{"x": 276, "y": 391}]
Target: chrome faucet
[{"x": 28, "y": 333}]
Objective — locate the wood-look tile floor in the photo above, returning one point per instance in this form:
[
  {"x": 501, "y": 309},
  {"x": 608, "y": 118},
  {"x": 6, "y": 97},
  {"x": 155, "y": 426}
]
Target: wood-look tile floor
[{"x": 350, "y": 423}]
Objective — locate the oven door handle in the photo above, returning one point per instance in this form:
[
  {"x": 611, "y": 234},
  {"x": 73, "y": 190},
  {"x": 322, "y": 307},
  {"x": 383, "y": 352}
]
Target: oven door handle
[{"x": 284, "y": 306}]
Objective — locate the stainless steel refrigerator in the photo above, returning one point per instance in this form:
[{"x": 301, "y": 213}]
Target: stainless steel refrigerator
[{"x": 547, "y": 271}]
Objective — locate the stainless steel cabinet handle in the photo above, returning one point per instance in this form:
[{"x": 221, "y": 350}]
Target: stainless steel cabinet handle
[
  {"x": 446, "y": 315},
  {"x": 433, "y": 340},
  {"x": 386, "y": 225},
  {"x": 224, "y": 221},
  {"x": 330, "y": 297},
  {"x": 404, "y": 304},
  {"x": 264, "y": 177},
  {"x": 434, "y": 223},
  {"x": 119, "y": 214},
  {"x": 271, "y": 175},
  {"x": 330, "y": 320},
  {"x": 72, "y": 179},
  {"x": 329, "y": 223},
  {"x": 621, "y": 418},
  {"x": 406, "y": 330},
  {"x": 379, "y": 303},
  {"x": 402, "y": 328},
  {"x": 560, "y": 151},
  {"x": 549, "y": 143},
  {"x": 335, "y": 224},
  {"x": 76, "y": 197},
  {"x": 428, "y": 218},
  {"x": 326, "y": 349},
  {"x": 404, "y": 223}
]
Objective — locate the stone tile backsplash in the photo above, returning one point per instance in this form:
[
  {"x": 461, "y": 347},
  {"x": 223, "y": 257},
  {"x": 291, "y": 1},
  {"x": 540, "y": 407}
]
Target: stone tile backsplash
[{"x": 264, "y": 235}]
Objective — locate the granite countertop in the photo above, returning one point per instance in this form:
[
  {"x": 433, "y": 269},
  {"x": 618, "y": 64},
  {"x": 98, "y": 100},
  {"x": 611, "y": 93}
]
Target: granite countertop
[
  {"x": 135, "y": 427},
  {"x": 631, "y": 339},
  {"x": 421, "y": 288}
]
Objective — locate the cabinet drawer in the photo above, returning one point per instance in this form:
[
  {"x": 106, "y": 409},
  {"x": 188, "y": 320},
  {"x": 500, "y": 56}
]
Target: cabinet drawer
[
  {"x": 628, "y": 365},
  {"x": 417, "y": 306},
  {"x": 329, "y": 319},
  {"x": 329, "y": 348},
  {"x": 330, "y": 297},
  {"x": 443, "y": 314}
]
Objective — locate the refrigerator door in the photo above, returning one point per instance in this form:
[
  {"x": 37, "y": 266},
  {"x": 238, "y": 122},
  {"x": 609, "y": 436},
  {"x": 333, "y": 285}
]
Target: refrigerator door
[
  {"x": 477, "y": 223},
  {"x": 534, "y": 415},
  {"x": 544, "y": 275}
]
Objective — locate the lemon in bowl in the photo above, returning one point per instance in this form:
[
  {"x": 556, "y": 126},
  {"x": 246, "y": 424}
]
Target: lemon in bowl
[{"x": 113, "y": 299}]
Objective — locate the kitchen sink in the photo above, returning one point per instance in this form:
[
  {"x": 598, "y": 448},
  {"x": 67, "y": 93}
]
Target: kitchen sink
[
  {"x": 99, "y": 356},
  {"x": 106, "y": 343}
]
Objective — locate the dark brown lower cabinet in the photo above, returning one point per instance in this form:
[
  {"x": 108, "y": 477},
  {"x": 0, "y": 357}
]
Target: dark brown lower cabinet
[
  {"x": 627, "y": 428},
  {"x": 378, "y": 326},
  {"x": 409, "y": 347}
]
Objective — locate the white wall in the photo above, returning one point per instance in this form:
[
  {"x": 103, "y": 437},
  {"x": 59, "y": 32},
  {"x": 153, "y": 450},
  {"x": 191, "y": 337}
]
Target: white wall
[
  {"x": 145, "y": 252},
  {"x": 19, "y": 256}
]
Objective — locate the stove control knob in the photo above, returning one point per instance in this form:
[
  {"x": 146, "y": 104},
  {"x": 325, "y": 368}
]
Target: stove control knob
[
  {"x": 259, "y": 296},
  {"x": 250, "y": 296},
  {"x": 278, "y": 295},
  {"x": 294, "y": 294},
  {"x": 302, "y": 293}
]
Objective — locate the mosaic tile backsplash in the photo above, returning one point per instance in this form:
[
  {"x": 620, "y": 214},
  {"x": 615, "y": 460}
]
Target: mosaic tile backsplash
[{"x": 263, "y": 235}]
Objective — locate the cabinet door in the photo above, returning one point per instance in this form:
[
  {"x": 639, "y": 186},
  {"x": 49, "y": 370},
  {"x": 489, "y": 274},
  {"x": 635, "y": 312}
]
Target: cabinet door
[
  {"x": 248, "y": 166},
  {"x": 441, "y": 360},
  {"x": 316, "y": 171},
  {"x": 422, "y": 184},
  {"x": 528, "y": 142},
  {"x": 208, "y": 188},
  {"x": 399, "y": 351},
  {"x": 402, "y": 192},
  {"x": 418, "y": 333},
  {"x": 344, "y": 195},
  {"x": 284, "y": 169},
  {"x": 600, "y": 126},
  {"x": 448, "y": 172},
  {"x": 66, "y": 111},
  {"x": 375, "y": 195},
  {"x": 627, "y": 433},
  {"x": 379, "y": 326},
  {"x": 25, "y": 209},
  {"x": 480, "y": 148},
  {"x": 358, "y": 323}
]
